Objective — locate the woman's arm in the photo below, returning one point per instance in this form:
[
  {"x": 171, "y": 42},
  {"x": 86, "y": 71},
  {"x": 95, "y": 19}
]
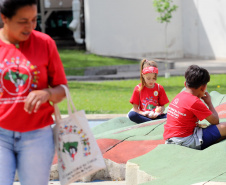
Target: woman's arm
[
  {"x": 57, "y": 94},
  {"x": 37, "y": 97}
]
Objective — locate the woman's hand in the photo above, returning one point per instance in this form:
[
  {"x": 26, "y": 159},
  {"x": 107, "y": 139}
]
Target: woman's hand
[{"x": 35, "y": 99}]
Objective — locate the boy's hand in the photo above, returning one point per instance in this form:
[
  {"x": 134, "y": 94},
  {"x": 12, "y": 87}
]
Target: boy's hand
[
  {"x": 213, "y": 119},
  {"x": 206, "y": 98},
  {"x": 202, "y": 125}
]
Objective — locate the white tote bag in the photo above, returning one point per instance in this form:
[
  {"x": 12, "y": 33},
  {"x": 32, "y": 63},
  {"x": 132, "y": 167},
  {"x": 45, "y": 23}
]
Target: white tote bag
[{"x": 77, "y": 149}]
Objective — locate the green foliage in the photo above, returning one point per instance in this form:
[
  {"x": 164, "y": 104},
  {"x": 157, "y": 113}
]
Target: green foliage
[
  {"x": 165, "y": 9},
  {"x": 112, "y": 97},
  {"x": 75, "y": 61}
]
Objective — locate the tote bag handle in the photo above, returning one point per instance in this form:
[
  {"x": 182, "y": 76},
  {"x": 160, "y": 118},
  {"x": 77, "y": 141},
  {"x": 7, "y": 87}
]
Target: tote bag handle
[
  {"x": 69, "y": 104},
  {"x": 69, "y": 100}
]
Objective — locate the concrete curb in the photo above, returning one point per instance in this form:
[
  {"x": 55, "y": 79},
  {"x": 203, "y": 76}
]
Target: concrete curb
[
  {"x": 93, "y": 183},
  {"x": 113, "y": 172},
  {"x": 104, "y": 116},
  {"x": 135, "y": 176}
]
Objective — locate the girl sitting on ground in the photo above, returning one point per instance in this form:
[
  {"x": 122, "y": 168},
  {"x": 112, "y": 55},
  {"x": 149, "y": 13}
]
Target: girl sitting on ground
[{"x": 148, "y": 98}]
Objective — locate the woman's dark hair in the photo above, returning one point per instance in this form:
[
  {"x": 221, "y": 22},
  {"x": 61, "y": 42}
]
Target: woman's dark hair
[
  {"x": 196, "y": 76},
  {"x": 10, "y": 7}
]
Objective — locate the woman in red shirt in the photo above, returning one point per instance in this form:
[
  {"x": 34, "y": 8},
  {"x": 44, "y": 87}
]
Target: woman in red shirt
[{"x": 31, "y": 73}]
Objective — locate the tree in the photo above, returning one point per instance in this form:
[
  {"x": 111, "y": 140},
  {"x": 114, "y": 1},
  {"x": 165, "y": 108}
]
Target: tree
[{"x": 165, "y": 9}]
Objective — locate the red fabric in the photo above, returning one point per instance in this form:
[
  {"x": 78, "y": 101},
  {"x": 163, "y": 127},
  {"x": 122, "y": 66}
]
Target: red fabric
[
  {"x": 150, "y": 70},
  {"x": 34, "y": 65},
  {"x": 183, "y": 113},
  {"x": 149, "y": 98}
]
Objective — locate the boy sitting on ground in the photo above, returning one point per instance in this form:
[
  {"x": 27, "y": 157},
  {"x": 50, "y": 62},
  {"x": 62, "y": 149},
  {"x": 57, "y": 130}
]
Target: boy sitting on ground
[{"x": 186, "y": 109}]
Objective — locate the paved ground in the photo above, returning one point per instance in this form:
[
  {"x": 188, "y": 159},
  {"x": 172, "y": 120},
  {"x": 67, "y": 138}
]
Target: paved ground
[
  {"x": 122, "y": 183},
  {"x": 103, "y": 116},
  {"x": 93, "y": 183},
  {"x": 180, "y": 66}
]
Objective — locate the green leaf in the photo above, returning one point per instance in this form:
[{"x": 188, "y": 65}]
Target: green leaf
[
  {"x": 166, "y": 5},
  {"x": 165, "y": 9}
]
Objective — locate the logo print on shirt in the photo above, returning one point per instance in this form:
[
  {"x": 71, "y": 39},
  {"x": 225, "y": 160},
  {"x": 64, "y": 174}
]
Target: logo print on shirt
[
  {"x": 17, "y": 77},
  {"x": 156, "y": 93},
  {"x": 149, "y": 104},
  {"x": 176, "y": 101}
]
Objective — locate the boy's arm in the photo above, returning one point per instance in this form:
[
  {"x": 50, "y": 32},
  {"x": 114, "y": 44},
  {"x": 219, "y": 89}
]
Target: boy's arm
[{"x": 213, "y": 118}]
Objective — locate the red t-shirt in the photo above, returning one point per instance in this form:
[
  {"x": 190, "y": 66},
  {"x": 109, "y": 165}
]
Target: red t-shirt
[
  {"x": 149, "y": 98},
  {"x": 183, "y": 114},
  {"x": 34, "y": 65}
]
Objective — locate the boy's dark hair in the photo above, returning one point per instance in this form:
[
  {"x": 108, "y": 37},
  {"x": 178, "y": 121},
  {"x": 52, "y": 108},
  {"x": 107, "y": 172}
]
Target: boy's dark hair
[
  {"x": 10, "y": 7},
  {"x": 196, "y": 76}
]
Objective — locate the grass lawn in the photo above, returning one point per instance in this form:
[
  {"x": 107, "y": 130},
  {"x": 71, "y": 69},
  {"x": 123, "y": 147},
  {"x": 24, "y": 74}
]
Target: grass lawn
[
  {"x": 112, "y": 97},
  {"x": 75, "y": 61}
]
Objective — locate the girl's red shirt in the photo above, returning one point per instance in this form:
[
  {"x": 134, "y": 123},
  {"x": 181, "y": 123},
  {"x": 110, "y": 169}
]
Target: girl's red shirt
[{"x": 149, "y": 98}]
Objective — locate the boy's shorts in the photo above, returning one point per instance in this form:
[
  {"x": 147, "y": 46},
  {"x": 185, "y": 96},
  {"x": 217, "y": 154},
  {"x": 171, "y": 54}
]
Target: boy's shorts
[{"x": 210, "y": 135}]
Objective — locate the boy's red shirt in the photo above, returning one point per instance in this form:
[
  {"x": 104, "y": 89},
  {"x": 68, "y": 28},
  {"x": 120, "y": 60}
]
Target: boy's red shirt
[{"x": 183, "y": 114}]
